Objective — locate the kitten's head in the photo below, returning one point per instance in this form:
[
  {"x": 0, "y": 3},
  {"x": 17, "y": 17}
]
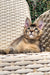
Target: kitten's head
[{"x": 33, "y": 31}]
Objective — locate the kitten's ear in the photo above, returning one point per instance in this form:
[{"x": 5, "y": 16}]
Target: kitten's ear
[
  {"x": 40, "y": 23},
  {"x": 27, "y": 22}
]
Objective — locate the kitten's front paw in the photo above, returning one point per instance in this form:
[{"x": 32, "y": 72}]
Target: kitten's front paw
[{"x": 36, "y": 49}]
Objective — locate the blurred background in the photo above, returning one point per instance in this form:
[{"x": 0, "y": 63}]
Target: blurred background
[{"x": 37, "y": 7}]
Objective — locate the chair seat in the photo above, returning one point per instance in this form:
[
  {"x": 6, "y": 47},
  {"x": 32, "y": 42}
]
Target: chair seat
[{"x": 25, "y": 64}]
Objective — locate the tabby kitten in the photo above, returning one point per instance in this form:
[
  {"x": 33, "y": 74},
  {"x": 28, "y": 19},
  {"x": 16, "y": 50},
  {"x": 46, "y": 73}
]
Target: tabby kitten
[{"x": 29, "y": 41}]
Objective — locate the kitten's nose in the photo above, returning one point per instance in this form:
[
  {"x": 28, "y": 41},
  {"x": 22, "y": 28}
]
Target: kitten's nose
[{"x": 31, "y": 31}]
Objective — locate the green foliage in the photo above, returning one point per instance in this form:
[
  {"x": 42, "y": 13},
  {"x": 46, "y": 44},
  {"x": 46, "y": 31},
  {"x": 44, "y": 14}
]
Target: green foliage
[{"x": 36, "y": 9}]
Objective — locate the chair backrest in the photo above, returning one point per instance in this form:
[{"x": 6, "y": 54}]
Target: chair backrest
[
  {"x": 12, "y": 19},
  {"x": 45, "y": 38}
]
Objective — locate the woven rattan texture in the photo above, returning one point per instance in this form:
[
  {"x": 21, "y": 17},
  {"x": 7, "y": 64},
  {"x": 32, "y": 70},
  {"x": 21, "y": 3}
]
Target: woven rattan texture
[
  {"x": 45, "y": 38},
  {"x": 12, "y": 19},
  {"x": 25, "y": 64}
]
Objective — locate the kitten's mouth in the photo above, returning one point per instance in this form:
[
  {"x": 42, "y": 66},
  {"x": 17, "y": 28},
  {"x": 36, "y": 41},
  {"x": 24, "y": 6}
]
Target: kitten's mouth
[{"x": 31, "y": 36}]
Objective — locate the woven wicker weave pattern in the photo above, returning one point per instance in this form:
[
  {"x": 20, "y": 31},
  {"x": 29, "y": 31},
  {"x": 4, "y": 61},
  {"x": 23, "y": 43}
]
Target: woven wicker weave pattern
[
  {"x": 25, "y": 64},
  {"x": 45, "y": 38},
  {"x": 12, "y": 18}
]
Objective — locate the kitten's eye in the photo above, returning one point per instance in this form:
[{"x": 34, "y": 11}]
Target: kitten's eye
[
  {"x": 28, "y": 28},
  {"x": 36, "y": 29}
]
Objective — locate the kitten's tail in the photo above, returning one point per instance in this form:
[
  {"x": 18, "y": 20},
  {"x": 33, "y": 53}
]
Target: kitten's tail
[{"x": 6, "y": 51}]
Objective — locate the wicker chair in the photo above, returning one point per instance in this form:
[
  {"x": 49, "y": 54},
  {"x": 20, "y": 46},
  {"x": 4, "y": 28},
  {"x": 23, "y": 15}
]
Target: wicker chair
[{"x": 12, "y": 18}]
